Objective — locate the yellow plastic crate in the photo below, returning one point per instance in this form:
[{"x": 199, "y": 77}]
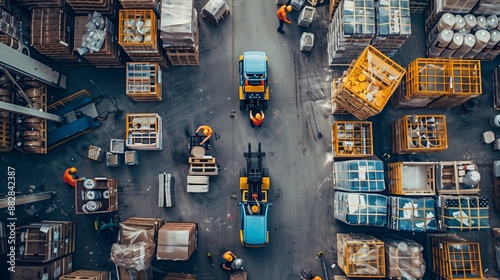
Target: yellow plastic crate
[
  {"x": 444, "y": 82},
  {"x": 420, "y": 134},
  {"x": 352, "y": 139},
  {"x": 454, "y": 258},
  {"x": 144, "y": 81},
  {"x": 137, "y": 30},
  {"x": 373, "y": 78},
  {"x": 412, "y": 178},
  {"x": 361, "y": 256}
]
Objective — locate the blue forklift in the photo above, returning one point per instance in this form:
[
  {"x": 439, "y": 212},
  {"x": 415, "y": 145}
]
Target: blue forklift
[{"x": 254, "y": 84}]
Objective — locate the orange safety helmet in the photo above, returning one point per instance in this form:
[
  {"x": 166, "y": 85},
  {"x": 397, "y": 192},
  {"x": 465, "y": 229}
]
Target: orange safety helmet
[
  {"x": 205, "y": 131},
  {"x": 258, "y": 116},
  {"x": 255, "y": 209},
  {"x": 288, "y": 8},
  {"x": 228, "y": 257},
  {"x": 72, "y": 170}
]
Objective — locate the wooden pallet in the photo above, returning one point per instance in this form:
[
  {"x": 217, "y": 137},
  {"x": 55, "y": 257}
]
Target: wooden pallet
[
  {"x": 203, "y": 166},
  {"x": 197, "y": 184}
]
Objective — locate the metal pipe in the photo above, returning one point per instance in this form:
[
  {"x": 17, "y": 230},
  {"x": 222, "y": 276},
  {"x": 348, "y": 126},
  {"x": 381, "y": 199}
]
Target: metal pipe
[
  {"x": 322, "y": 258},
  {"x": 5, "y": 106}
]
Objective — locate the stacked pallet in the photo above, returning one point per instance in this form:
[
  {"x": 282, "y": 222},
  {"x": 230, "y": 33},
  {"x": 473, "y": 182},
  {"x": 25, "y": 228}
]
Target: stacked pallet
[
  {"x": 336, "y": 108},
  {"x": 404, "y": 258},
  {"x": 51, "y": 34},
  {"x": 393, "y": 26},
  {"x": 43, "y": 3},
  {"x": 51, "y": 270},
  {"x": 87, "y": 275},
  {"x": 109, "y": 54},
  {"x": 141, "y": 4},
  {"x": 105, "y": 7},
  {"x": 439, "y": 83},
  {"x": 418, "y": 6},
  {"x": 138, "y": 36},
  {"x": 361, "y": 255},
  {"x": 368, "y": 84},
  {"x": 352, "y": 139},
  {"x": 453, "y": 257},
  {"x": 144, "y": 81},
  {"x": 6, "y": 121},
  {"x": 351, "y": 31},
  {"x": 332, "y": 7},
  {"x": 179, "y": 32},
  {"x": 31, "y": 132},
  {"x": 463, "y": 213},
  {"x": 486, "y": 7},
  {"x": 419, "y": 134},
  {"x": 45, "y": 241},
  {"x": 136, "y": 248},
  {"x": 468, "y": 36},
  {"x": 437, "y": 8}
]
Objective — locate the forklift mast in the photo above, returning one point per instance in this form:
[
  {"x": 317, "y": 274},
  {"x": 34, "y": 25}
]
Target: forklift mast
[{"x": 255, "y": 175}]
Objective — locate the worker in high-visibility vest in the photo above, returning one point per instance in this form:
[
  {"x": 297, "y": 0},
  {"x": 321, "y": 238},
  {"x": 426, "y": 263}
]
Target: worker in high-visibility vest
[
  {"x": 68, "y": 177},
  {"x": 257, "y": 120},
  {"x": 207, "y": 131}
]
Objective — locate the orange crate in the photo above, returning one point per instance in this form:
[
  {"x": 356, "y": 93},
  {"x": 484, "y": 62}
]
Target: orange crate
[
  {"x": 361, "y": 256},
  {"x": 144, "y": 81},
  {"x": 352, "y": 139},
  {"x": 138, "y": 30},
  {"x": 412, "y": 178},
  {"x": 420, "y": 134}
]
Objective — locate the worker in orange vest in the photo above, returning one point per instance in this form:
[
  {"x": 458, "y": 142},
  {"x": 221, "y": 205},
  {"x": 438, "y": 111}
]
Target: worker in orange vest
[
  {"x": 207, "y": 131},
  {"x": 282, "y": 12},
  {"x": 68, "y": 177},
  {"x": 257, "y": 120},
  {"x": 227, "y": 260}
]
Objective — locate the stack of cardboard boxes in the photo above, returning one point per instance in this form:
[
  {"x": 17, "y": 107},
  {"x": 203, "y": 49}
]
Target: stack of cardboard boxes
[{"x": 177, "y": 241}]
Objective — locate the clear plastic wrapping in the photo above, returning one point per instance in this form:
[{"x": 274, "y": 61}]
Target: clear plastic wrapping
[
  {"x": 137, "y": 256},
  {"x": 94, "y": 35}
]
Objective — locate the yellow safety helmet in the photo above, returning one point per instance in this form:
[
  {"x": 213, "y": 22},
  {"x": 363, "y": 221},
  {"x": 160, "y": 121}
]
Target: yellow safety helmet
[
  {"x": 288, "y": 8},
  {"x": 258, "y": 116},
  {"x": 72, "y": 170},
  {"x": 228, "y": 257},
  {"x": 255, "y": 209},
  {"x": 205, "y": 131}
]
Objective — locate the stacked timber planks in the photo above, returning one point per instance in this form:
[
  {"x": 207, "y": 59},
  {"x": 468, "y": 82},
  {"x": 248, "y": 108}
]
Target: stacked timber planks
[
  {"x": 110, "y": 54},
  {"x": 138, "y": 36},
  {"x": 51, "y": 34},
  {"x": 179, "y": 32}
]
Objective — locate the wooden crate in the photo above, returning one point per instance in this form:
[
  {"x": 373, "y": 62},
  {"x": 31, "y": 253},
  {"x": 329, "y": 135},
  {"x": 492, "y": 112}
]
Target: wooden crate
[
  {"x": 87, "y": 275},
  {"x": 50, "y": 31},
  {"x": 144, "y": 131},
  {"x": 144, "y": 81},
  {"x": 185, "y": 55},
  {"x": 419, "y": 134},
  {"x": 101, "y": 185},
  {"x": 369, "y": 83},
  {"x": 110, "y": 54},
  {"x": 352, "y": 139},
  {"x": 412, "y": 178},
  {"x": 141, "y": 4},
  {"x": 356, "y": 252},
  {"x": 449, "y": 177},
  {"x": 443, "y": 82},
  {"x": 454, "y": 258},
  {"x": 104, "y": 7},
  {"x": 130, "y": 31},
  {"x": 336, "y": 108},
  {"x": 42, "y": 3}
]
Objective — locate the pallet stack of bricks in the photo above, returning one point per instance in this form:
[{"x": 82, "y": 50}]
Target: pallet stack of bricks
[{"x": 179, "y": 32}]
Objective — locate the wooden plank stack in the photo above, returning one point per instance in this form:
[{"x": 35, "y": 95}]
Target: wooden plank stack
[
  {"x": 393, "y": 26},
  {"x": 368, "y": 84},
  {"x": 351, "y": 31},
  {"x": 179, "y": 32},
  {"x": 104, "y": 7},
  {"x": 51, "y": 34},
  {"x": 110, "y": 55},
  {"x": 138, "y": 36}
]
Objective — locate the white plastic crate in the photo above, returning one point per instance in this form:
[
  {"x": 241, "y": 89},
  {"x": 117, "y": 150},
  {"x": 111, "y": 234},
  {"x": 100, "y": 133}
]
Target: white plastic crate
[
  {"x": 306, "y": 41},
  {"x": 306, "y": 16}
]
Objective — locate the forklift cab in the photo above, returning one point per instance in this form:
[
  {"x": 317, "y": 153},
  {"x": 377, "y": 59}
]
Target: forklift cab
[{"x": 254, "y": 87}]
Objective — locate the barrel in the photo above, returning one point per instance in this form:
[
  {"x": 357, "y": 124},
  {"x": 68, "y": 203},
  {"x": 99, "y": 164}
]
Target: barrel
[{"x": 469, "y": 41}]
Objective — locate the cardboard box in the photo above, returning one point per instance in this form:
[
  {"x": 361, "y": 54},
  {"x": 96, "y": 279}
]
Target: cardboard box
[
  {"x": 49, "y": 271},
  {"x": 177, "y": 241}
]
